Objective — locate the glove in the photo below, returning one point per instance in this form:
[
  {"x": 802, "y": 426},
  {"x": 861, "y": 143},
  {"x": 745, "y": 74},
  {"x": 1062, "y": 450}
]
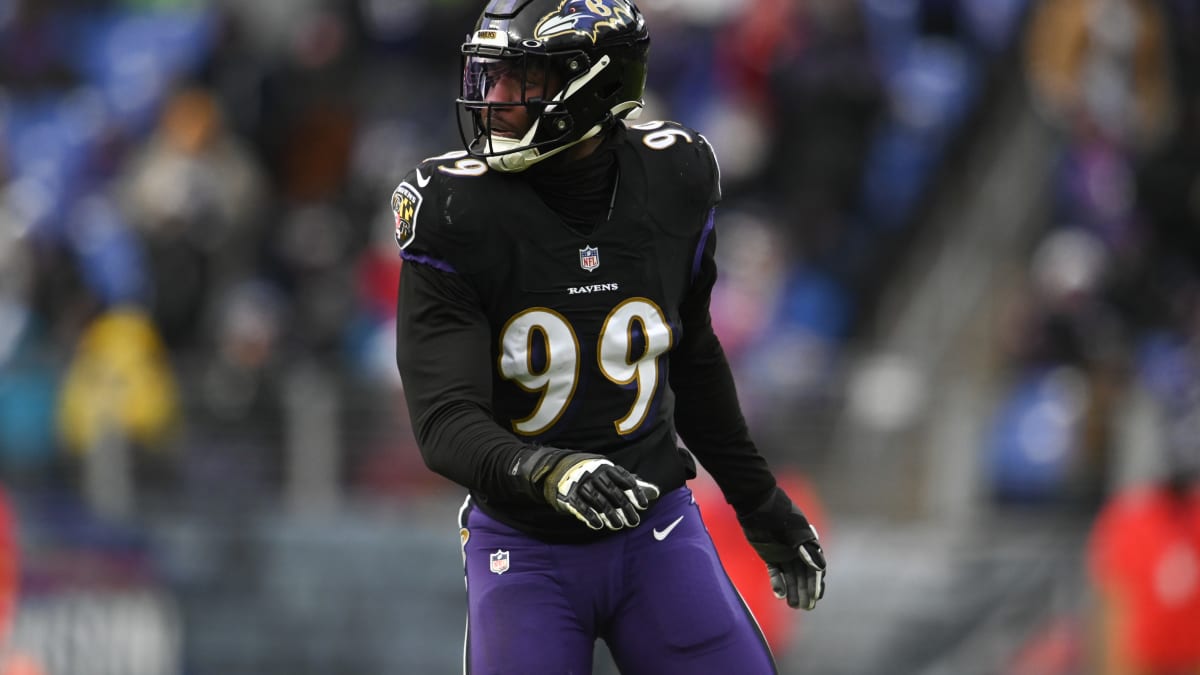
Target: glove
[
  {"x": 587, "y": 486},
  {"x": 787, "y": 542}
]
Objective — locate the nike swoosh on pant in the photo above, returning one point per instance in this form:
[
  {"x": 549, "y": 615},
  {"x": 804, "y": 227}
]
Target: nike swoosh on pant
[{"x": 662, "y": 534}]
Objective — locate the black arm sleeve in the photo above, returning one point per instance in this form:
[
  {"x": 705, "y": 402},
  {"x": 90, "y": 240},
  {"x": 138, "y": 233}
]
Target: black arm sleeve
[
  {"x": 443, "y": 352},
  {"x": 708, "y": 416}
]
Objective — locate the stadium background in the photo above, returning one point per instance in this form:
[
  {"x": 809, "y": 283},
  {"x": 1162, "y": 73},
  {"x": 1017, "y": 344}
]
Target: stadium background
[{"x": 959, "y": 248}]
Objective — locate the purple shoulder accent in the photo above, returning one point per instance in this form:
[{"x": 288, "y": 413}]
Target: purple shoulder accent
[
  {"x": 426, "y": 260},
  {"x": 708, "y": 228}
]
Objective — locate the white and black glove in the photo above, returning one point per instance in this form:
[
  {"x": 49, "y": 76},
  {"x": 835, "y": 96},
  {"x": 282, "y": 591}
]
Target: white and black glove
[
  {"x": 787, "y": 542},
  {"x": 587, "y": 486}
]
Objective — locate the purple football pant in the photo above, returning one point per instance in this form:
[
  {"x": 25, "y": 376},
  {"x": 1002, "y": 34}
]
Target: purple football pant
[{"x": 656, "y": 594}]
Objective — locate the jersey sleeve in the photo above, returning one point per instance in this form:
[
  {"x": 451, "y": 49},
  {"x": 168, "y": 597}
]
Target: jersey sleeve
[
  {"x": 708, "y": 416},
  {"x": 418, "y": 215},
  {"x": 682, "y": 175},
  {"x": 442, "y": 352},
  {"x": 712, "y": 185}
]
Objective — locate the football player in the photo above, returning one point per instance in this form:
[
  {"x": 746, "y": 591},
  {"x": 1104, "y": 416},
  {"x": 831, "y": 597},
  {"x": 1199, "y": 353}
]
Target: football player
[{"x": 555, "y": 344}]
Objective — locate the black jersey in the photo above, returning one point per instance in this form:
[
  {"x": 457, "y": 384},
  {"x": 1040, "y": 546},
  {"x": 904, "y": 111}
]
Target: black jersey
[{"x": 515, "y": 329}]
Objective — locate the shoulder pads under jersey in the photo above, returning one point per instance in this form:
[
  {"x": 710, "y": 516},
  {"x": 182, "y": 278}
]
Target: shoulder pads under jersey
[{"x": 430, "y": 224}]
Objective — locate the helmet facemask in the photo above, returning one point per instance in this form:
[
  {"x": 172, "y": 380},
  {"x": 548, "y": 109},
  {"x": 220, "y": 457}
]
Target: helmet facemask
[{"x": 513, "y": 101}]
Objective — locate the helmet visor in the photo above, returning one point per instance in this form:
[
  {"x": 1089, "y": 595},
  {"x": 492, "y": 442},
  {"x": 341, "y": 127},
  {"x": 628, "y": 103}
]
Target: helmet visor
[{"x": 508, "y": 81}]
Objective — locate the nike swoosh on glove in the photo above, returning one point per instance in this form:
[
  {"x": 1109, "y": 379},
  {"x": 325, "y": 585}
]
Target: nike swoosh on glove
[
  {"x": 585, "y": 485},
  {"x": 785, "y": 540}
]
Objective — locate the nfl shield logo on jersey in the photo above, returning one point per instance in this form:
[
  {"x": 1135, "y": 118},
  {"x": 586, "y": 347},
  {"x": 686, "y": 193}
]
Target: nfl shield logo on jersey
[
  {"x": 589, "y": 258},
  {"x": 499, "y": 562}
]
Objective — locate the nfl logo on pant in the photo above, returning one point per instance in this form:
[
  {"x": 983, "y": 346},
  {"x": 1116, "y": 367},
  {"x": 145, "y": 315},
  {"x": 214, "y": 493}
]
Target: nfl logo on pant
[{"x": 499, "y": 562}]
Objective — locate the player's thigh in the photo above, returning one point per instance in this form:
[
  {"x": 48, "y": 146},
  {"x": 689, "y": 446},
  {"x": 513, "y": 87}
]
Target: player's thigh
[
  {"x": 519, "y": 618},
  {"x": 682, "y": 614},
  {"x": 515, "y": 628}
]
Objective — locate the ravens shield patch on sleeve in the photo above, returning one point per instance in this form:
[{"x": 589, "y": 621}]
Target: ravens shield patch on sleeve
[{"x": 406, "y": 203}]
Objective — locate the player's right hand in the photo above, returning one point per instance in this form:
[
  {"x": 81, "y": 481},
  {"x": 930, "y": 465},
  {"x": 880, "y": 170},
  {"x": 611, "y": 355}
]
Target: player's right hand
[{"x": 588, "y": 486}]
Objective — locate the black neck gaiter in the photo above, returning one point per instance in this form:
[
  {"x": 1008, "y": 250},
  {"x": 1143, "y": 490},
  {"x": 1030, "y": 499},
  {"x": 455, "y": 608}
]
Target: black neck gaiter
[{"x": 579, "y": 191}]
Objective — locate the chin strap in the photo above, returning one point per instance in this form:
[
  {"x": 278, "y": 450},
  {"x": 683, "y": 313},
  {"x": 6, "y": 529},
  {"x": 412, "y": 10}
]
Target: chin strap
[
  {"x": 520, "y": 160},
  {"x": 513, "y": 162},
  {"x": 508, "y": 159}
]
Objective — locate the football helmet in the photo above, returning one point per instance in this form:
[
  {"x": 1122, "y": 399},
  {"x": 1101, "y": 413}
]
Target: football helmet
[{"x": 575, "y": 67}]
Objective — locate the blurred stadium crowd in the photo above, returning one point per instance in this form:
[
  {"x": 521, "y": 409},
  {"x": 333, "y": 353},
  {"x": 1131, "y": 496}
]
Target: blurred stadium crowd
[{"x": 197, "y": 271}]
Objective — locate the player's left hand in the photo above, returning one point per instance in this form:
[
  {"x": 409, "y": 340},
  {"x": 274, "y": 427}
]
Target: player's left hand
[{"x": 782, "y": 536}]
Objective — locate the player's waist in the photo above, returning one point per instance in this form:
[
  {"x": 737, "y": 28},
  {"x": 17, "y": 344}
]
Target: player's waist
[{"x": 656, "y": 459}]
